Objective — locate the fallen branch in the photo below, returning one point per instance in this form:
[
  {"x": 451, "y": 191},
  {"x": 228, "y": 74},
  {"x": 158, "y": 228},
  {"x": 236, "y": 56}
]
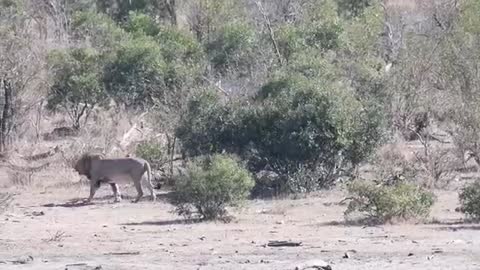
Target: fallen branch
[
  {"x": 123, "y": 253},
  {"x": 223, "y": 91},
  {"x": 43, "y": 155},
  {"x": 271, "y": 33},
  {"x": 26, "y": 169},
  {"x": 283, "y": 244}
]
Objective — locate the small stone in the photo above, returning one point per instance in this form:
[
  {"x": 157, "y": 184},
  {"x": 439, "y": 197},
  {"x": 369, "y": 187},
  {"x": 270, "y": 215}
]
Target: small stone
[
  {"x": 38, "y": 213},
  {"x": 410, "y": 254}
]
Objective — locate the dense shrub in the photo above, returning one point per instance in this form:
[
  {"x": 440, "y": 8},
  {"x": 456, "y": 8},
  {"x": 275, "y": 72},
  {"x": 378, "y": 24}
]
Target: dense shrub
[
  {"x": 470, "y": 200},
  {"x": 135, "y": 76},
  {"x": 381, "y": 203},
  {"x": 153, "y": 152},
  {"x": 141, "y": 23},
  {"x": 76, "y": 82},
  {"x": 160, "y": 69},
  {"x": 210, "y": 185},
  {"x": 292, "y": 122},
  {"x": 233, "y": 48}
]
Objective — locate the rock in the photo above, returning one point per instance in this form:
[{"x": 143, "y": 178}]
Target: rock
[
  {"x": 23, "y": 260},
  {"x": 313, "y": 265},
  {"x": 38, "y": 213},
  {"x": 347, "y": 255}
]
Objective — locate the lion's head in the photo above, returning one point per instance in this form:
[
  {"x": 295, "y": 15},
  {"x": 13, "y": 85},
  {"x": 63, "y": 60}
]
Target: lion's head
[{"x": 83, "y": 164}]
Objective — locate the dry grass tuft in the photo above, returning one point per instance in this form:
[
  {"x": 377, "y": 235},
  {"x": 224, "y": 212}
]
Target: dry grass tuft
[{"x": 5, "y": 201}]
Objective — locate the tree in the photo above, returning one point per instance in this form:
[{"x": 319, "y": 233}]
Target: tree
[
  {"x": 119, "y": 9},
  {"x": 77, "y": 82},
  {"x": 19, "y": 65},
  {"x": 147, "y": 70}
]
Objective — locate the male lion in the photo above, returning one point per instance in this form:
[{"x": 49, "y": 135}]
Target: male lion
[{"x": 99, "y": 170}]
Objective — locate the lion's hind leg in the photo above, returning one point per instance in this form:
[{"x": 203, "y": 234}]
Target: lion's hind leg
[
  {"x": 138, "y": 186},
  {"x": 150, "y": 188}
]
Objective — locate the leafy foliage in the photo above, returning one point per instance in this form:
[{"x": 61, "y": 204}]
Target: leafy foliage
[
  {"x": 77, "y": 85},
  {"x": 160, "y": 69},
  {"x": 232, "y": 48},
  {"x": 152, "y": 151},
  {"x": 210, "y": 185},
  {"x": 141, "y": 23},
  {"x": 100, "y": 30},
  {"x": 470, "y": 200},
  {"x": 383, "y": 203},
  {"x": 291, "y": 122},
  {"x": 136, "y": 75}
]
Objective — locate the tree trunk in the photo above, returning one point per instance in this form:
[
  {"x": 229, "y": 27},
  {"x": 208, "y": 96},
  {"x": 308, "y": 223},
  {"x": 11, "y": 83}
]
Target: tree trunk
[
  {"x": 6, "y": 120},
  {"x": 172, "y": 11}
]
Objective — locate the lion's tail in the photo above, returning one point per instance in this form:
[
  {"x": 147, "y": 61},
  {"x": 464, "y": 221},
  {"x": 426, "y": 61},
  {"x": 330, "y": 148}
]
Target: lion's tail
[{"x": 148, "y": 169}]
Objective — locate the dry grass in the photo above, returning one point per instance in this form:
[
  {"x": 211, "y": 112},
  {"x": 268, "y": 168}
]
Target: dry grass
[
  {"x": 113, "y": 133},
  {"x": 57, "y": 237},
  {"x": 5, "y": 201}
]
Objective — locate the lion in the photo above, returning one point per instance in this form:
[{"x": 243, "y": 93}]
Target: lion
[{"x": 101, "y": 170}]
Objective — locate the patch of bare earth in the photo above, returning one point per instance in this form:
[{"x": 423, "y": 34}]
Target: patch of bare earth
[{"x": 57, "y": 235}]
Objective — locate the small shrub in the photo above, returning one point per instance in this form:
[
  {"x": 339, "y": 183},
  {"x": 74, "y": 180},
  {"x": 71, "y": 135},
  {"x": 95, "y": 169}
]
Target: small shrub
[
  {"x": 153, "y": 152},
  {"x": 392, "y": 166},
  {"x": 210, "y": 185},
  {"x": 382, "y": 204},
  {"x": 306, "y": 180},
  {"x": 470, "y": 200}
]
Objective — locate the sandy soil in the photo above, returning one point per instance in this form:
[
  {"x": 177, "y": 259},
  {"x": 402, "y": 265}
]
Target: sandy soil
[{"x": 148, "y": 236}]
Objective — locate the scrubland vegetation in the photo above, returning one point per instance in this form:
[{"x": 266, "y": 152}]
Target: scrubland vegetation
[{"x": 280, "y": 97}]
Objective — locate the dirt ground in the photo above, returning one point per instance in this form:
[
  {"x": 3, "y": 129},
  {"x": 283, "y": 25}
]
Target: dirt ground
[{"x": 147, "y": 235}]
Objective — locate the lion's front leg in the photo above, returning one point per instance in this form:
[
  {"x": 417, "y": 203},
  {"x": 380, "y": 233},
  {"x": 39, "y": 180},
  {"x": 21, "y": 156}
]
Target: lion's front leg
[{"x": 94, "y": 185}]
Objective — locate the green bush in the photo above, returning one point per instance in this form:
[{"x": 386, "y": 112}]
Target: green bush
[
  {"x": 470, "y": 200},
  {"x": 210, "y": 185},
  {"x": 141, "y": 23},
  {"x": 161, "y": 69},
  {"x": 77, "y": 82},
  {"x": 233, "y": 48},
  {"x": 153, "y": 152},
  {"x": 292, "y": 122},
  {"x": 382, "y": 204},
  {"x": 135, "y": 75}
]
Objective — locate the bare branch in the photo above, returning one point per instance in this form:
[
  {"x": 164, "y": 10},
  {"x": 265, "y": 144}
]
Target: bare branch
[{"x": 270, "y": 30}]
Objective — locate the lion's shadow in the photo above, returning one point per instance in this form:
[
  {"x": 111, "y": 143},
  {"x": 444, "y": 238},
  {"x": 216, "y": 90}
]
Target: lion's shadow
[{"x": 106, "y": 199}]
